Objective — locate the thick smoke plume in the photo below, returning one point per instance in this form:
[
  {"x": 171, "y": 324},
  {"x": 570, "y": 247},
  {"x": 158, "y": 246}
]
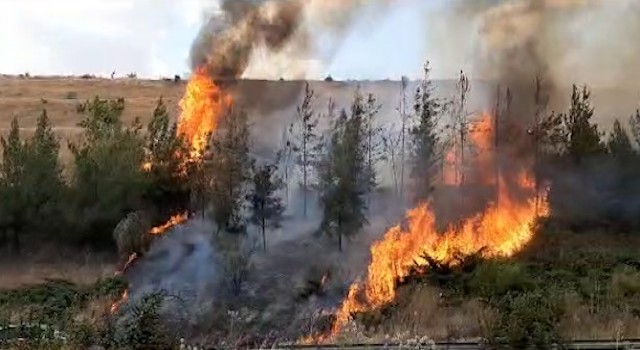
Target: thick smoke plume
[
  {"x": 306, "y": 33},
  {"x": 560, "y": 41}
]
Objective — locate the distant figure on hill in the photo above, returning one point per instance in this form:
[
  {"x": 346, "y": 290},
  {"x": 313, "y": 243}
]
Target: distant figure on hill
[{"x": 113, "y": 75}]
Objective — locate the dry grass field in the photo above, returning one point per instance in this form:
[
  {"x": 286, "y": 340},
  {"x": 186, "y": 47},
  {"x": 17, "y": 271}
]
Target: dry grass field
[{"x": 25, "y": 98}]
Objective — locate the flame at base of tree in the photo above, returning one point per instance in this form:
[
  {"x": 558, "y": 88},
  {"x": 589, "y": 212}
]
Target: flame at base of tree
[
  {"x": 155, "y": 231},
  {"x": 502, "y": 230}
]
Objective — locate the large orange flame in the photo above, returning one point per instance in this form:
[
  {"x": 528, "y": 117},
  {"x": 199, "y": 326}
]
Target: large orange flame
[
  {"x": 501, "y": 230},
  {"x": 202, "y": 105}
]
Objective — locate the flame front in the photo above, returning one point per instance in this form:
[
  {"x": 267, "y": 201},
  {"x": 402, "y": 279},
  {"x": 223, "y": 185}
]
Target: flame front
[
  {"x": 501, "y": 230},
  {"x": 173, "y": 221},
  {"x": 201, "y": 107},
  {"x": 155, "y": 231}
]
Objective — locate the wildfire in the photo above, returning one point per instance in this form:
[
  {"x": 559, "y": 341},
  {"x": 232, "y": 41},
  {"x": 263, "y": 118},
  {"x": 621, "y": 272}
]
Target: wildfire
[
  {"x": 115, "y": 306},
  {"x": 202, "y": 104},
  {"x": 156, "y": 231},
  {"x": 173, "y": 221},
  {"x": 201, "y": 107},
  {"x": 501, "y": 230}
]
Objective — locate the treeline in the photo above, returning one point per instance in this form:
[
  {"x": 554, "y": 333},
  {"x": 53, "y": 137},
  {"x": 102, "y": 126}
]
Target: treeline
[
  {"x": 337, "y": 153},
  {"x": 594, "y": 177},
  {"x": 80, "y": 205},
  {"x": 118, "y": 168}
]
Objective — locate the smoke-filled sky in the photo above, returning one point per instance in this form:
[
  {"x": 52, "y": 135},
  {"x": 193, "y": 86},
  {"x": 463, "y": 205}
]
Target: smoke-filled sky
[
  {"x": 384, "y": 38},
  {"x": 153, "y": 37}
]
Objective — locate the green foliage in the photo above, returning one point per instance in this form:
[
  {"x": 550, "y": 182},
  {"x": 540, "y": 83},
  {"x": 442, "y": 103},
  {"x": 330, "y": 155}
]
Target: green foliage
[
  {"x": 55, "y": 301},
  {"x": 144, "y": 327},
  {"x": 108, "y": 180},
  {"x": 170, "y": 175},
  {"x": 30, "y": 181},
  {"x": 494, "y": 279},
  {"x": 625, "y": 282},
  {"x": 307, "y": 143},
  {"x": 634, "y": 122},
  {"x": 583, "y": 136},
  {"x": 619, "y": 143},
  {"x": 266, "y": 206},
  {"x": 425, "y": 138},
  {"x": 230, "y": 168},
  {"x": 345, "y": 179},
  {"x": 528, "y": 320}
]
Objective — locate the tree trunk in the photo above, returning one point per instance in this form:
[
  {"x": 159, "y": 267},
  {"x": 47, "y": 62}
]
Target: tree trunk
[
  {"x": 340, "y": 233},
  {"x": 15, "y": 240},
  {"x": 304, "y": 175},
  {"x": 264, "y": 236}
]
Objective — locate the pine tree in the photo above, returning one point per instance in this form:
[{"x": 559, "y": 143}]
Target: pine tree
[
  {"x": 171, "y": 174},
  {"x": 230, "y": 168},
  {"x": 344, "y": 176},
  {"x": 634, "y": 122},
  {"x": 372, "y": 141},
  {"x": 108, "y": 179},
  {"x": 12, "y": 172},
  {"x": 619, "y": 143},
  {"x": 308, "y": 142},
  {"x": 266, "y": 206},
  {"x": 425, "y": 139},
  {"x": 584, "y": 138},
  {"x": 31, "y": 182},
  {"x": 461, "y": 121}
]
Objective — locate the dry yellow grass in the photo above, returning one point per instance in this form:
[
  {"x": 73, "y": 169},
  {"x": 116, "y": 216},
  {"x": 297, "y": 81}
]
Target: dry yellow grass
[
  {"x": 25, "y": 98},
  {"x": 77, "y": 267}
]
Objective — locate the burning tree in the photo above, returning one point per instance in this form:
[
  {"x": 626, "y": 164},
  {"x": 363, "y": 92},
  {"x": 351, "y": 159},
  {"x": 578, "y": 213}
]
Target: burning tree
[
  {"x": 167, "y": 165},
  {"x": 266, "y": 205}
]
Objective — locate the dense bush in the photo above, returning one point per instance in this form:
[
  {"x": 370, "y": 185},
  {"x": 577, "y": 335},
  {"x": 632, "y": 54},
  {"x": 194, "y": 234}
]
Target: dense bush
[{"x": 107, "y": 178}]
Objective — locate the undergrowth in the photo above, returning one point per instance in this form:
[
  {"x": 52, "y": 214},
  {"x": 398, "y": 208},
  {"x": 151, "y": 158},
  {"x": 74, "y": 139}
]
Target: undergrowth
[{"x": 534, "y": 299}]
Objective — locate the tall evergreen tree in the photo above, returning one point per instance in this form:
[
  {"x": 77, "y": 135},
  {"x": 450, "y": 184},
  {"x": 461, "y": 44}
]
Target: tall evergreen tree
[
  {"x": 230, "y": 168},
  {"x": 634, "y": 123},
  {"x": 172, "y": 177},
  {"x": 307, "y": 143},
  {"x": 583, "y": 136},
  {"x": 266, "y": 206},
  {"x": 425, "y": 138},
  {"x": 108, "y": 179},
  {"x": 344, "y": 176},
  {"x": 372, "y": 141},
  {"x": 12, "y": 214},
  {"x": 32, "y": 185},
  {"x": 619, "y": 143}
]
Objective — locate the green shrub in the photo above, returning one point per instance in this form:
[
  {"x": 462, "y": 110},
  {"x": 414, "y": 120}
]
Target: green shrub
[
  {"x": 625, "y": 282},
  {"x": 496, "y": 278},
  {"x": 528, "y": 319},
  {"x": 142, "y": 326}
]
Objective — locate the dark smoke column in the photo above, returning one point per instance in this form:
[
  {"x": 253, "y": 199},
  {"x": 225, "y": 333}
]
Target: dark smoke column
[{"x": 225, "y": 43}]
